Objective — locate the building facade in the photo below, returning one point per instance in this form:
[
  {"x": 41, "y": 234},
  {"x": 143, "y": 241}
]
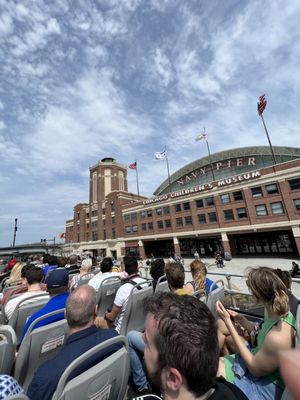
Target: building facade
[{"x": 237, "y": 201}]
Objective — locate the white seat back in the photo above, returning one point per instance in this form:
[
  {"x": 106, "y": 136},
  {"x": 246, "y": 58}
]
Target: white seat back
[
  {"x": 107, "y": 293},
  {"x": 7, "y": 349}
]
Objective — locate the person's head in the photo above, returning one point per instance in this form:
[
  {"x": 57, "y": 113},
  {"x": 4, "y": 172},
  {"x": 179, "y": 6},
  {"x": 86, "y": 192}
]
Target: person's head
[
  {"x": 81, "y": 307},
  {"x": 131, "y": 265},
  {"x": 269, "y": 289},
  {"x": 33, "y": 274},
  {"x": 15, "y": 275},
  {"x": 106, "y": 265},
  {"x": 61, "y": 262},
  {"x": 52, "y": 260},
  {"x": 181, "y": 345},
  {"x": 86, "y": 266},
  {"x": 23, "y": 272},
  {"x": 175, "y": 275},
  {"x": 57, "y": 281},
  {"x": 73, "y": 260},
  {"x": 199, "y": 271},
  {"x": 157, "y": 269},
  {"x": 285, "y": 276}
]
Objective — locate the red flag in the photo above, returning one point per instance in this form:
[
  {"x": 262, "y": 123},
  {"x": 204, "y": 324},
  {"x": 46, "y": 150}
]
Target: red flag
[
  {"x": 62, "y": 236},
  {"x": 132, "y": 166},
  {"x": 261, "y": 105}
]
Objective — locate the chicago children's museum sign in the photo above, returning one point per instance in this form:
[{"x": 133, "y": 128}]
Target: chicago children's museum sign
[{"x": 206, "y": 186}]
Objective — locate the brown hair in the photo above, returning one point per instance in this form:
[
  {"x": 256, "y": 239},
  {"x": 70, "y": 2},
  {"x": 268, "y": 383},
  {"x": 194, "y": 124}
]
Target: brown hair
[
  {"x": 175, "y": 275},
  {"x": 199, "y": 271},
  {"x": 268, "y": 288}
]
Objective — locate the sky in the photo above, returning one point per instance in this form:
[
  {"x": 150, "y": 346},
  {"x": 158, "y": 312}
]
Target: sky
[{"x": 81, "y": 80}]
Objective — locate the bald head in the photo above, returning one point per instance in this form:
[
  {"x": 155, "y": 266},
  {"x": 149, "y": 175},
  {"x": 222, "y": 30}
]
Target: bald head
[{"x": 81, "y": 307}]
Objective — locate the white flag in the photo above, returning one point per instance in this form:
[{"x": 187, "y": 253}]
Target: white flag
[
  {"x": 201, "y": 136},
  {"x": 160, "y": 155}
]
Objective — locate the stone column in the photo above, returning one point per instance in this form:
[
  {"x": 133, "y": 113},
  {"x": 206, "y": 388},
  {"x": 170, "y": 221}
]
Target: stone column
[
  {"x": 176, "y": 246},
  {"x": 142, "y": 249},
  {"x": 226, "y": 244}
]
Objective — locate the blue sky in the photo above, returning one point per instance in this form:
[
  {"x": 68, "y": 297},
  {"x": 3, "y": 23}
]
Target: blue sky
[{"x": 82, "y": 80}]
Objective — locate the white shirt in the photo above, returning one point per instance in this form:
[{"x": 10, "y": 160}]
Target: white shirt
[
  {"x": 12, "y": 304},
  {"x": 121, "y": 299},
  {"x": 95, "y": 282}
]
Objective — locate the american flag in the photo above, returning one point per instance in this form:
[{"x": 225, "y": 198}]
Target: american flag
[
  {"x": 261, "y": 105},
  {"x": 62, "y": 236},
  {"x": 132, "y": 166}
]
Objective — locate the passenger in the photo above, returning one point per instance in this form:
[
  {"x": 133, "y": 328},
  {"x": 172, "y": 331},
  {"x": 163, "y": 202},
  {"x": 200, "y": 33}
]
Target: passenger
[
  {"x": 33, "y": 278},
  {"x": 254, "y": 369},
  {"x": 72, "y": 266},
  {"x": 157, "y": 270},
  {"x": 114, "y": 317},
  {"x": 200, "y": 281},
  {"x": 15, "y": 275},
  {"x": 51, "y": 264},
  {"x": 85, "y": 272},
  {"x": 175, "y": 277},
  {"x": 20, "y": 289},
  {"x": 106, "y": 268},
  {"x": 181, "y": 350},
  {"x": 57, "y": 282},
  {"x": 81, "y": 309}
]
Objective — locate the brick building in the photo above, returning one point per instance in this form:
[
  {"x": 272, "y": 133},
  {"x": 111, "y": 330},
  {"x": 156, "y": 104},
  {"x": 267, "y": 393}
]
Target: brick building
[{"x": 239, "y": 202}]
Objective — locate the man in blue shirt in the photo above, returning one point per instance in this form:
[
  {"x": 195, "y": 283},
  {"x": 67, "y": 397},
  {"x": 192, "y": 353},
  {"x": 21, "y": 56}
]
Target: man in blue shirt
[
  {"x": 81, "y": 310},
  {"x": 57, "y": 282}
]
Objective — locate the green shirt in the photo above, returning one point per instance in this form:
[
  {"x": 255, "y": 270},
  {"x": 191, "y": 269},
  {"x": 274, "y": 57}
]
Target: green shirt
[{"x": 267, "y": 325}]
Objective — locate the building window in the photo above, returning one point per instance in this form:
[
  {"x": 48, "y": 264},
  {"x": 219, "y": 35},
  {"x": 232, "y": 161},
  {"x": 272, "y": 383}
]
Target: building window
[
  {"x": 150, "y": 226},
  {"x": 210, "y": 201},
  {"x": 87, "y": 215},
  {"x": 228, "y": 215},
  {"x": 168, "y": 223},
  {"x": 87, "y": 226},
  {"x": 186, "y": 206},
  {"x": 158, "y": 211},
  {"x": 199, "y": 203},
  {"x": 261, "y": 210},
  {"x": 143, "y": 214},
  {"x": 238, "y": 195},
  {"x": 201, "y": 219},
  {"x": 179, "y": 222},
  {"x": 272, "y": 188},
  {"x": 103, "y": 211},
  {"x": 112, "y": 206},
  {"x": 87, "y": 236},
  {"x": 94, "y": 213},
  {"x": 225, "y": 198},
  {"x": 144, "y": 227},
  {"x": 241, "y": 212},
  {"x": 127, "y": 229},
  {"x": 277, "y": 208},
  {"x": 94, "y": 224},
  {"x": 294, "y": 184},
  {"x": 160, "y": 224},
  {"x": 212, "y": 217},
  {"x": 177, "y": 207},
  {"x": 113, "y": 220},
  {"x": 133, "y": 217},
  {"x": 78, "y": 216},
  {"x": 104, "y": 234},
  {"x": 166, "y": 210},
  {"x": 134, "y": 228},
  {"x": 127, "y": 218},
  {"x": 149, "y": 213},
  {"x": 94, "y": 236},
  {"x": 113, "y": 233},
  {"x": 257, "y": 192},
  {"x": 297, "y": 204},
  {"x": 188, "y": 220}
]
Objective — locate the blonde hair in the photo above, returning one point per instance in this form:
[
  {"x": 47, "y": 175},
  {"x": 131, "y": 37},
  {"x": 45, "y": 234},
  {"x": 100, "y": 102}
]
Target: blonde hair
[
  {"x": 15, "y": 275},
  {"x": 199, "y": 271},
  {"x": 268, "y": 288},
  {"x": 86, "y": 264}
]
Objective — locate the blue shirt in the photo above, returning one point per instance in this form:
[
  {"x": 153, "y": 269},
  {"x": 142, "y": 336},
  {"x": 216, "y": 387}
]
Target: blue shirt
[
  {"x": 209, "y": 285},
  {"x": 55, "y": 303},
  {"x": 46, "y": 378}
]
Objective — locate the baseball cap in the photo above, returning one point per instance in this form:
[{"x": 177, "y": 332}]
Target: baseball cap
[{"x": 57, "y": 278}]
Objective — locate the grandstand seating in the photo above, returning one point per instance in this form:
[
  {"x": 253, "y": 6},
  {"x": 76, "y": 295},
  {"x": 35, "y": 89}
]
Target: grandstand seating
[
  {"x": 7, "y": 349},
  {"x": 134, "y": 315},
  {"x": 38, "y": 346},
  {"x": 106, "y": 380},
  {"x": 215, "y": 295},
  {"x": 23, "y": 311},
  {"x": 107, "y": 292}
]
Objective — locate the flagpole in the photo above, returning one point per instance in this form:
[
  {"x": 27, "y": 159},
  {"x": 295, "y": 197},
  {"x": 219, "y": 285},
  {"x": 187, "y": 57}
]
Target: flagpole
[
  {"x": 270, "y": 144},
  {"x": 168, "y": 169},
  {"x": 209, "y": 155},
  {"x": 137, "y": 180}
]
